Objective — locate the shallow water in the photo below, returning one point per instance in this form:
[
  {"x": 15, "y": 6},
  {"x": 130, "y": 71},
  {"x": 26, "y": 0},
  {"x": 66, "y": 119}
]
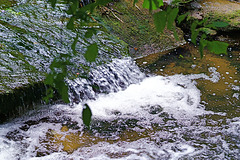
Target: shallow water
[{"x": 155, "y": 117}]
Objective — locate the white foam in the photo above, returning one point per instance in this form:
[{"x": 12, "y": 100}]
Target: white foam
[{"x": 177, "y": 95}]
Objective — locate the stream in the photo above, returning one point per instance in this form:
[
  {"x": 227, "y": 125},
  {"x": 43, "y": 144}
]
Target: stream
[
  {"x": 177, "y": 106},
  {"x": 152, "y": 117}
]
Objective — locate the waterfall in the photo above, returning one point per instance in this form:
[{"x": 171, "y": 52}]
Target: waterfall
[{"x": 111, "y": 77}]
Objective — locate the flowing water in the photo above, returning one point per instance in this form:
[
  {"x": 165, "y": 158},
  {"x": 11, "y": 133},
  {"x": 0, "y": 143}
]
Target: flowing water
[
  {"x": 149, "y": 117},
  {"x": 32, "y": 34},
  {"x": 170, "y": 112}
]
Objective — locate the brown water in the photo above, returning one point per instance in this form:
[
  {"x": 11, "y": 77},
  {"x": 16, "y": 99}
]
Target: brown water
[{"x": 219, "y": 95}]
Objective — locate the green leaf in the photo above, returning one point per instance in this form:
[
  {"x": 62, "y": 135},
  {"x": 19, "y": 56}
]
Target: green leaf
[
  {"x": 158, "y": 3},
  {"x": 53, "y": 2},
  {"x": 91, "y": 53},
  {"x": 194, "y": 32},
  {"x": 90, "y": 32},
  {"x": 49, "y": 79},
  {"x": 152, "y": 4},
  {"x": 171, "y": 17},
  {"x": 49, "y": 95},
  {"x": 160, "y": 19},
  {"x": 73, "y": 46},
  {"x": 182, "y": 17},
  {"x": 216, "y": 24},
  {"x": 86, "y": 115},
  {"x": 202, "y": 44},
  {"x": 74, "y": 6},
  {"x": 61, "y": 86},
  {"x": 70, "y": 24},
  {"x": 202, "y": 22},
  {"x": 220, "y": 24},
  {"x": 208, "y": 31},
  {"x": 217, "y": 47},
  {"x": 146, "y": 4}
]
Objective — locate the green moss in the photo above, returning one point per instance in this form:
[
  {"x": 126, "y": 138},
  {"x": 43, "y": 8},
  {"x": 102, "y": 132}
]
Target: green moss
[
  {"x": 222, "y": 10},
  {"x": 136, "y": 29},
  {"x": 7, "y": 3},
  {"x": 233, "y": 19}
]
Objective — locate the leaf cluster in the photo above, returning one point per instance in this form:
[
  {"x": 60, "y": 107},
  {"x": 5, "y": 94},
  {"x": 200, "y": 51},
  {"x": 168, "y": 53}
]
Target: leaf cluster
[
  {"x": 56, "y": 78},
  {"x": 202, "y": 30},
  {"x": 163, "y": 19}
]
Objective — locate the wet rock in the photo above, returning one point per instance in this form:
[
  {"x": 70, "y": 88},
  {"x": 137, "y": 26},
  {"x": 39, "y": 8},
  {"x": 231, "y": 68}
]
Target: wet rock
[
  {"x": 155, "y": 109},
  {"x": 218, "y": 10},
  {"x": 15, "y": 135},
  {"x": 29, "y": 41},
  {"x": 22, "y": 99}
]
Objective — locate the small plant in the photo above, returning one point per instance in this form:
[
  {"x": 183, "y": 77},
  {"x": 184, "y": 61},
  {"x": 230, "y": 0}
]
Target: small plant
[{"x": 203, "y": 30}]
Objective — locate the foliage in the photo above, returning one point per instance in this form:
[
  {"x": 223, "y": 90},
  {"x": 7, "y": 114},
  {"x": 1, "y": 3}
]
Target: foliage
[
  {"x": 91, "y": 53},
  {"x": 55, "y": 79},
  {"x": 166, "y": 18},
  {"x": 152, "y": 4},
  {"x": 200, "y": 28}
]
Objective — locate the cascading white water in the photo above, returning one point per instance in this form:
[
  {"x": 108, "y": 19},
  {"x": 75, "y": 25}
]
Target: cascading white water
[
  {"x": 106, "y": 78},
  {"x": 151, "y": 117}
]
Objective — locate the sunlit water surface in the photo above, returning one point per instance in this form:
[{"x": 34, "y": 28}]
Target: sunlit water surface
[{"x": 150, "y": 117}]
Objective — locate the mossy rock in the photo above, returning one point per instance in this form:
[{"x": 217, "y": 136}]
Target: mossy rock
[
  {"x": 20, "y": 100},
  {"x": 135, "y": 26},
  {"x": 219, "y": 10},
  {"x": 30, "y": 40}
]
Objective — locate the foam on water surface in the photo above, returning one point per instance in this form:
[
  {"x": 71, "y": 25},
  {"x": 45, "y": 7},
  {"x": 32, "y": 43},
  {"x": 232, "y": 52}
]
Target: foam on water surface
[{"x": 175, "y": 98}]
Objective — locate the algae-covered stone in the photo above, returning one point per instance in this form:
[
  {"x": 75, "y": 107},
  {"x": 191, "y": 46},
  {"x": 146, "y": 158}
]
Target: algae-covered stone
[
  {"x": 219, "y": 10},
  {"x": 134, "y": 25}
]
